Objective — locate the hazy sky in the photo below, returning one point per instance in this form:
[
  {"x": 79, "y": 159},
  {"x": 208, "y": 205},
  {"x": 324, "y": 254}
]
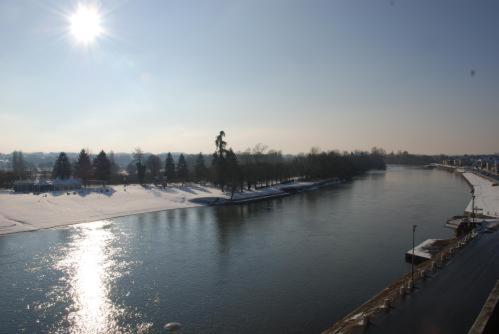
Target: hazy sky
[{"x": 168, "y": 75}]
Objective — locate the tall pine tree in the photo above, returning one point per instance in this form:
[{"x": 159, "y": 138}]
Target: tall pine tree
[
  {"x": 169, "y": 168},
  {"x": 200, "y": 170},
  {"x": 102, "y": 167},
  {"x": 83, "y": 167},
  {"x": 62, "y": 167},
  {"x": 219, "y": 162},
  {"x": 220, "y": 144},
  {"x": 182, "y": 169}
]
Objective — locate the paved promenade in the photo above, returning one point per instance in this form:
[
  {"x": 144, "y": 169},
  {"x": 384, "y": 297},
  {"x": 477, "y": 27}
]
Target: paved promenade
[
  {"x": 487, "y": 195},
  {"x": 450, "y": 301}
]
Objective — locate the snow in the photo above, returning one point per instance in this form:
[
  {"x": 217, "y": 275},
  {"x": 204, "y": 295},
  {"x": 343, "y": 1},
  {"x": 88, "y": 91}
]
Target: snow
[
  {"x": 454, "y": 223},
  {"x": 280, "y": 190},
  {"x": 71, "y": 182},
  {"x": 263, "y": 192},
  {"x": 26, "y": 212},
  {"x": 423, "y": 250},
  {"x": 486, "y": 195}
]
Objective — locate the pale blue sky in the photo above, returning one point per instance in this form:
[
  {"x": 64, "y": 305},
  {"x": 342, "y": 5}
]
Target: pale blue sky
[{"x": 290, "y": 74}]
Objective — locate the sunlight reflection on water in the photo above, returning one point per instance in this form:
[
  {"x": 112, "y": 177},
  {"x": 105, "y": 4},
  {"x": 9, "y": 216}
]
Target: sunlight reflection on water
[
  {"x": 87, "y": 266},
  {"x": 290, "y": 265}
]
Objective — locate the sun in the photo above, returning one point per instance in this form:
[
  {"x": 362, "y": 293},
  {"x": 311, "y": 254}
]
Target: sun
[{"x": 85, "y": 24}]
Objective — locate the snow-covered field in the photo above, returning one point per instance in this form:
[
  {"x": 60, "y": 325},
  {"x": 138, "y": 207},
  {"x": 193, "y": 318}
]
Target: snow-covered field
[
  {"x": 25, "y": 212},
  {"x": 486, "y": 195}
]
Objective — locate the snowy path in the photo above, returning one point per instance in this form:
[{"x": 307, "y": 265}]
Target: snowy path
[{"x": 486, "y": 195}]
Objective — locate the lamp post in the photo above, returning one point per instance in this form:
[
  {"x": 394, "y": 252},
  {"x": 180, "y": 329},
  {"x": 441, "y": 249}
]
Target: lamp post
[
  {"x": 412, "y": 258},
  {"x": 473, "y": 207}
]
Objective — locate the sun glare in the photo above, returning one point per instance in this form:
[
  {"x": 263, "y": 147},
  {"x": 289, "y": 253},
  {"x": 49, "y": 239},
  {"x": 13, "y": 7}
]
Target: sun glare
[{"x": 86, "y": 24}]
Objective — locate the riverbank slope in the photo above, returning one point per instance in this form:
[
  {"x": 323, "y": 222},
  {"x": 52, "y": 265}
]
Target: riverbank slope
[{"x": 28, "y": 212}]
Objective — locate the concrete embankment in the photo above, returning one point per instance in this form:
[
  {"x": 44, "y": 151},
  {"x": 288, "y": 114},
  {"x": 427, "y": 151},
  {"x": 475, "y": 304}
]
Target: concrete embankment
[
  {"x": 393, "y": 295},
  {"x": 486, "y": 203}
]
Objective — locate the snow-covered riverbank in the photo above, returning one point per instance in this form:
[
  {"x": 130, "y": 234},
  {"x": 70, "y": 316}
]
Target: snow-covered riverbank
[
  {"x": 27, "y": 212},
  {"x": 486, "y": 195}
]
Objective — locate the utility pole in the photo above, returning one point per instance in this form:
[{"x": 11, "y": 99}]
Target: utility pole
[
  {"x": 412, "y": 258},
  {"x": 473, "y": 207}
]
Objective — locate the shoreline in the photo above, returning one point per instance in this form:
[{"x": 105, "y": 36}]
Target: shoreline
[
  {"x": 27, "y": 212},
  {"x": 486, "y": 193},
  {"x": 21, "y": 212},
  {"x": 276, "y": 191},
  {"x": 485, "y": 189}
]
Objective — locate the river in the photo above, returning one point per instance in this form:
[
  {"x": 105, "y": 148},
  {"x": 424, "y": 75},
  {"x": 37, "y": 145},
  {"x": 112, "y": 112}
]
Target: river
[{"x": 289, "y": 265}]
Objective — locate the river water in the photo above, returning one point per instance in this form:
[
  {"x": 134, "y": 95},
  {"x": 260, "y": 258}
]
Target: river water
[{"x": 290, "y": 265}]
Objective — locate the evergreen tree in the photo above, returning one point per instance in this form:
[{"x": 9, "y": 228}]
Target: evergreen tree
[
  {"x": 220, "y": 144},
  {"x": 62, "y": 167},
  {"x": 18, "y": 165},
  {"x": 102, "y": 167},
  {"x": 83, "y": 167},
  {"x": 169, "y": 168},
  {"x": 200, "y": 169},
  {"x": 182, "y": 170},
  {"x": 219, "y": 163}
]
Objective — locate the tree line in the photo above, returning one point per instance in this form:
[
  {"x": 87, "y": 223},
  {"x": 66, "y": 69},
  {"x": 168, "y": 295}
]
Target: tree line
[
  {"x": 143, "y": 169},
  {"x": 260, "y": 168},
  {"x": 405, "y": 158},
  {"x": 231, "y": 171}
]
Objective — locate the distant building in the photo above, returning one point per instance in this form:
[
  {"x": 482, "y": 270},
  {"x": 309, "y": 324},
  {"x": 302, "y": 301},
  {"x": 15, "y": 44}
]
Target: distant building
[
  {"x": 66, "y": 184},
  {"x": 42, "y": 186},
  {"x": 45, "y": 185},
  {"x": 23, "y": 186}
]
